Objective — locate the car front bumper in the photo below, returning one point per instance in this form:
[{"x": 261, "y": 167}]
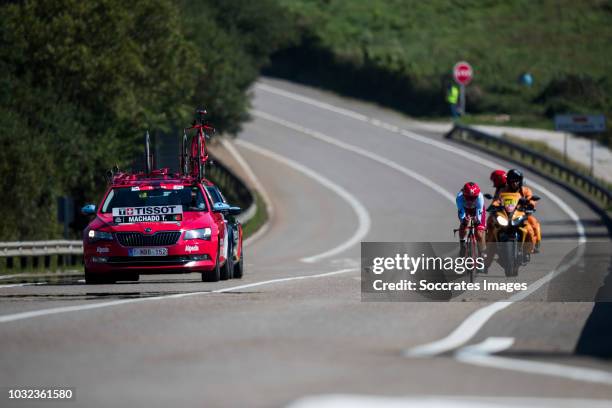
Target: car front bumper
[{"x": 112, "y": 257}]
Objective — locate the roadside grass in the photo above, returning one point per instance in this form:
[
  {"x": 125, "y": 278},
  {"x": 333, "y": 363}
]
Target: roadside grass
[
  {"x": 258, "y": 220},
  {"x": 517, "y": 120},
  {"x": 50, "y": 265},
  {"x": 400, "y": 54}
]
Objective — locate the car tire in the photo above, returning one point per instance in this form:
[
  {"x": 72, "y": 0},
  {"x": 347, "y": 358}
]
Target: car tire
[
  {"x": 239, "y": 268},
  {"x": 227, "y": 270},
  {"x": 215, "y": 274}
]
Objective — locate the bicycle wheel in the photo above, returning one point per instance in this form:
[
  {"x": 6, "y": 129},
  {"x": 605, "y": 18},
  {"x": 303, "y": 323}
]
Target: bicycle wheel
[
  {"x": 184, "y": 155},
  {"x": 147, "y": 153},
  {"x": 472, "y": 254},
  {"x": 200, "y": 165}
]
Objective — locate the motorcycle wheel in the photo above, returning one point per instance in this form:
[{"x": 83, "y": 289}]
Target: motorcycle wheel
[{"x": 508, "y": 257}]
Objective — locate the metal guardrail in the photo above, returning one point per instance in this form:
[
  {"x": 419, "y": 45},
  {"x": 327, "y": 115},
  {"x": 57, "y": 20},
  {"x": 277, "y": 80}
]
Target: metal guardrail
[
  {"x": 40, "y": 256},
  {"x": 547, "y": 165},
  {"x": 38, "y": 248}
]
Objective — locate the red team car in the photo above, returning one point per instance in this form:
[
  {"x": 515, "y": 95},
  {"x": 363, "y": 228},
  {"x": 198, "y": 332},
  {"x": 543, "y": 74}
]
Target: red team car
[{"x": 154, "y": 222}]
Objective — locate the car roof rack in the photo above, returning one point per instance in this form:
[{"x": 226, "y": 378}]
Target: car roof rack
[{"x": 193, "y": 156}]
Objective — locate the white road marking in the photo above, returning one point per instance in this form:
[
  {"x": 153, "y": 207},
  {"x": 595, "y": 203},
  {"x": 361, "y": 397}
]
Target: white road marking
[
  {"x": 475, "y": 321},
  {"x": 481, "y": 355},
  {"x": 470, "y": 326},
  {"x": 26, "y": 275},
  {"x": 16, "y": 285},
  {"x": 309, "y": 101},
  {"x": 258, "y": 186},
  {"x": 57, "y": 310},
  {"x": 440, "y": 401},
  {"x": 358, "y": 150},
  {"x": 363, "y": 217}
]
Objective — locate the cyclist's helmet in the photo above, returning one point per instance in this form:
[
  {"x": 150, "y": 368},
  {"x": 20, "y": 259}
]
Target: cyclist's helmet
[
  {"x": 514, "y": 176},
  {"x": 498, "y": 177},
  {"x": 470, "y": 191}
]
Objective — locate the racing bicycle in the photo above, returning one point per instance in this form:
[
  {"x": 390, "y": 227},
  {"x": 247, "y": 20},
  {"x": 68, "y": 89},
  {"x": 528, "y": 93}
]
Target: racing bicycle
[
  {"x": 196, "y": 155},
  {"x": 471, "y": 250}
]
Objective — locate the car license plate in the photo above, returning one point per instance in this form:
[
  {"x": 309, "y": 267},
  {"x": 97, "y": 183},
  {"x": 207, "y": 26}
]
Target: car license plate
[{"x": 148, "y": 252}]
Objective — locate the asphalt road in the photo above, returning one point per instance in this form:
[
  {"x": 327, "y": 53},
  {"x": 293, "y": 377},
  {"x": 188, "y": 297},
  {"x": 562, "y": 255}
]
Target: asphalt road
[{"x": 294, "y": 330}]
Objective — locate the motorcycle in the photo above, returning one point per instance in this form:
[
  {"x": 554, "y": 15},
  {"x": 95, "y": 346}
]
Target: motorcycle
[{"x": 510, "y": 230}]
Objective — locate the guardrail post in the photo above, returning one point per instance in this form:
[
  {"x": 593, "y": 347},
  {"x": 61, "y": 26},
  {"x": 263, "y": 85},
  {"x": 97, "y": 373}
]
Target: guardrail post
[
  {"x": 3, "y": 264},
  {"x": 40, "y": 267},
  {"x": 29, "y": 264}
]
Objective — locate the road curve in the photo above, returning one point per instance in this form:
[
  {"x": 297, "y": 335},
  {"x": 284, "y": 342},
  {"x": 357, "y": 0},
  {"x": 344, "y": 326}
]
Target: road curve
[{"x": 338, "y": 171}]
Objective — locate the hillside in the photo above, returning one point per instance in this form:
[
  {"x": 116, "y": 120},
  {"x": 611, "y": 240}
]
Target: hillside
[{"x": 400, "y": 53}]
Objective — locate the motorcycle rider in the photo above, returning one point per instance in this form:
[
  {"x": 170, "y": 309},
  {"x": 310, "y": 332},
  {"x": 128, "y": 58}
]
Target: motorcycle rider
[
  {"x": 514, "y": 184},
  {"x": 470, "y": 202},
  {"x": 498, "y": 177}
]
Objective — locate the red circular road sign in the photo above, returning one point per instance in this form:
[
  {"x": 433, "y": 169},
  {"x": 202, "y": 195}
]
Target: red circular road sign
[{"x": 462, "y": 72}]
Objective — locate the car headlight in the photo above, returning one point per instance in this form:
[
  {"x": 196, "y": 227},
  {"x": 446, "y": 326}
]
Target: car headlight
[
  {"x": 503, "y": 221},
  {"x": 201, "y": 233},
  {"x": 99, "y": 236}
]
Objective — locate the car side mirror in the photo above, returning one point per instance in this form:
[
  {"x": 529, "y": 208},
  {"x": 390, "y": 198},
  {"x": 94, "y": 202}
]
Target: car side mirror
[
  {"x": 488, "y": 196},
  {"x": 535, "y": 198},
  {"x": 235, "y": 210},
  {"x": 221, "y": 207},
  {"x": 88, "y": 209}
]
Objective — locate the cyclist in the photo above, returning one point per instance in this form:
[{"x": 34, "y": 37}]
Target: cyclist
[
  {"x": 470, "y": 203},
  {"x": 514, "y": 184},
  {"x": 498, "y": 177}
]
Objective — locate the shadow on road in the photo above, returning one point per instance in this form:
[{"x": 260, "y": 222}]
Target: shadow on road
[{"x": 596, "y": 336}]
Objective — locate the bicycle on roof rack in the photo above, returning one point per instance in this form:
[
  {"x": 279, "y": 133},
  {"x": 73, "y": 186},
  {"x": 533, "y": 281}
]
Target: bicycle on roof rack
[{"x": 192, "y": 158}]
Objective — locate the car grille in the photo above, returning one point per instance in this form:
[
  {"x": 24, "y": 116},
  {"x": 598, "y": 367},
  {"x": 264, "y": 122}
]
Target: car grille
[{"x": 132, "y": 239}]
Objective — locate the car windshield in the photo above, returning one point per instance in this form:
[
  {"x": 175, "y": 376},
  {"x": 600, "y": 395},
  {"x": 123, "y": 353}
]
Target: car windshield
[{"x": 190, "y": 198}]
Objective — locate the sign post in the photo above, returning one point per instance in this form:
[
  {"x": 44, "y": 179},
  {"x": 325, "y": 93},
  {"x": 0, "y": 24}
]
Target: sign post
[
  {"x": 581, "y": 124},
  {"x": 462, "y": 73}
]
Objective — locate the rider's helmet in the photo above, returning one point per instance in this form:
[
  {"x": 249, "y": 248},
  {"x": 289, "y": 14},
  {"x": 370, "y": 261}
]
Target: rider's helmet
[
  {"x": 498, "y": 177},
  {"x": 514, "y": 178},
  {"x": 471, "y": 191}
]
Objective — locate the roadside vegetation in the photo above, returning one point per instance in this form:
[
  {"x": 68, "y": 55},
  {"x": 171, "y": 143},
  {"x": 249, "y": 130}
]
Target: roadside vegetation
[
  {"x": 400, "y": 54},
  {"x": 81, "y": 81}
]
